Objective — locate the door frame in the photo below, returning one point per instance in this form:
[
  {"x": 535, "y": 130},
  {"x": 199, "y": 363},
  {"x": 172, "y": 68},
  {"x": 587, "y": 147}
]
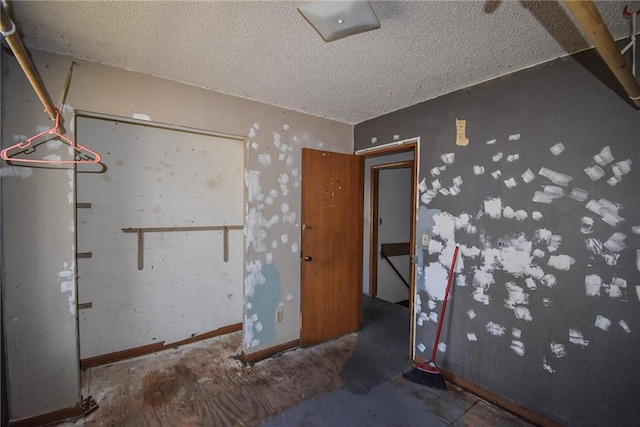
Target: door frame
[{"x": 411, "y": 144}]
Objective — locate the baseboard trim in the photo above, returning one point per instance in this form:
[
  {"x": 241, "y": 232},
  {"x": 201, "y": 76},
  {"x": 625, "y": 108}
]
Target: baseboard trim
[
  {"x": 268, "y": 352},
  {"x": 506, "y": 404},
  {"x": 117, "y": 356},
  {"x": 49, "y": 417}
]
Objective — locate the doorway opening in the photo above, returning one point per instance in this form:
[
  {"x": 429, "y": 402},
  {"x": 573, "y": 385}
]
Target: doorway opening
[{"x": 390, "y": 198}]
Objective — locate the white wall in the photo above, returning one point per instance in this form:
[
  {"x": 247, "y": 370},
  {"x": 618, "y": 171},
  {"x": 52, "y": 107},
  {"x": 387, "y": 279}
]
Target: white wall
[
  {"x": 156, "y": 177},
  {"x": 39, "y": 220}
]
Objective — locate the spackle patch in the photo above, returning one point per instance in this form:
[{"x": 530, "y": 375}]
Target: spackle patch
[
  {"x": 594, "y": 172},
  {"x": 576, "y": 337},
  {"x": 514, "y": 137},
  {"x": 546, "y": 366},
  {"x": 592, "y": 283},
  {"x": 495, "y": 329},
  {"x": 624, "y": 326},
  {"x": 442, "y": 347},
  {"x": 140, "y": 116},
  {"x": 557, "y": 149},
  {"x": 435, "y": 280},
  {"x": 602, "y": 322},
  {"x": 471, "y": 337},
  {"x": 604, "y": 157},
  {"x": 497, "y": 157},
  {"x": 493, "y": 207},
  {"x": 561, "y": 262},
  {"x": 558, "y": 350},
  {"x": 491, "y": 142},
  {"x": 471, "y": 314},
  {"x": 478, "y": 170},
  {"x": 421, "y": 347},
  {"x": 10, "y": 171},
  {"x": 536, "y": 215},
  {"x": 264, "y": 159},
  {"x": 518, "y": 347},
  {"x": 528, "y": 176}
]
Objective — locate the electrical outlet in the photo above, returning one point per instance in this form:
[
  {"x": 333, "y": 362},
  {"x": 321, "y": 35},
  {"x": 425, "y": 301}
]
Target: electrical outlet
[
  {"x": 425, "y": 239},
  {"x": 279, "y": 315}
]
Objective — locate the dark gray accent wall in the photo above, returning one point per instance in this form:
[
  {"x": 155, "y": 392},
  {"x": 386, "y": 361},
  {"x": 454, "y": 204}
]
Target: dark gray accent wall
[{"x": 545, "y": 310}]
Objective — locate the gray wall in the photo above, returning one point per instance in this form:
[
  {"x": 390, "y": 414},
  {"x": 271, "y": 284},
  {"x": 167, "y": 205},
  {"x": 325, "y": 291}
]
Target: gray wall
[
  {"x": 39, "y": 217},
  {"x": 546, "y": 310}
]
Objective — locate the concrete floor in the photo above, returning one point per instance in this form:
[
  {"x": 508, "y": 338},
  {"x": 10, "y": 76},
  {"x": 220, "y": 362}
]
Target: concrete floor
[{"x": 351, "y": 381}]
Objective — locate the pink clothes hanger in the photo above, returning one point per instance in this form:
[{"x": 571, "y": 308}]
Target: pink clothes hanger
[{"x": 54, "y": 131}]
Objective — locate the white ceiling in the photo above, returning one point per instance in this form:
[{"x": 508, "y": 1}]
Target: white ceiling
[{"x": 266, "y": 51}]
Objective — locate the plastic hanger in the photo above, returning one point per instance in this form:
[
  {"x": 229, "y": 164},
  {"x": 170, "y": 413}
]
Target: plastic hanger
[{"x": 55, "y": 131}]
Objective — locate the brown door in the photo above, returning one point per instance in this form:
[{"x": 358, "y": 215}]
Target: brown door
[
  {"x": 332, "y": 217},
  {"x": 332, "y": 214}
]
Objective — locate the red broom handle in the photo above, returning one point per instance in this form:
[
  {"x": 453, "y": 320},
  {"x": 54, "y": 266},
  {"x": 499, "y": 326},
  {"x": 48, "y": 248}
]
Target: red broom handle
[{"x": 444, "y": 304}]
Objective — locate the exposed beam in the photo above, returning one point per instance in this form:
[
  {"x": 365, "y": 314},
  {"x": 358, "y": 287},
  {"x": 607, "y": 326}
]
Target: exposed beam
[{"x": 591, "y": 22}]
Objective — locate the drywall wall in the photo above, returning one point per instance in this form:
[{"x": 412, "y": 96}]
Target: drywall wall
[
  {"x": 39, "y": 219},
  {"x": 543, "y": 201},
  {"x": 153, "y": 177},
  {"x": 394, "y": 226}
]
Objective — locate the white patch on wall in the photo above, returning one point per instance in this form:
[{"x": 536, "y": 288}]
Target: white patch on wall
[
  {"x": 536, "y": 215},
  {"x": 264, "y": 159},
  {"x": 602, "y": 322},
  {"x": 615, "y": 243},
  {"x": 604, "y": 157},
  {"x": 528, "y": 176},
  {"x": 422, "y": 187},
  {"x": 421, "y": 348},
  {"x": 471, "y": 337},
  {"x": 517, "y": 296},
  {"x": 253, "y": 278},
  {"x": 285, "y": 127},
  {"x": 621, "y": 168},
  {"x": 396, "y": 137},
  {"x": 491, "y": 142},
  {"x": 442, "y": 347},
  {"x": 19, "y": 171},
  {"x": 624, "y": 326},
  {"x": 517, "y": 347},
  {"x": 140, "y": 116},
  {"x": 510, "y": 183},
  {"x": 514, "y": 137},
  {"x": 496, "y": 174},
  {"x": 435, "y": 184},
  {"x": 546, "y": 301},
  {"x": 374, "y": 140},
  {"x": 592, "y": 284},
  {"x": 561, "y": 262},
  {"x": 513, "y": 157},
  {"x": 521, "y": 215},
  {"x": 607, "y": 210},
  {"x": 435, "y": 280},
  {"x": 448, "y": 158},
  {"x": 579, "y": 194},
  {"x": 557, "y": 149},
  {"x": 497, "y": 157},
  {"x": 471, "y": 314},
  {"x": 493, "y": 207},
  {"x": 495, "y": 329},
  {"x": 478, "y": 170},
  {"x": 576, "y": 337},
  {"x": 594, "y": 172},
  {"x": 546, "y": 366},
  {"x": 548, "y": 195},
  {"x": 558, "y": 350},
  {"x": 523, "y": 313},
  {"x": 587, "y": 225},
  {"x": 294, "y": 248}
]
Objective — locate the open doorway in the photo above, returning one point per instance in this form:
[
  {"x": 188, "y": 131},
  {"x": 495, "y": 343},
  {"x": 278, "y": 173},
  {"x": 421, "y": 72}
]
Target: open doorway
[{"x": 391, "y": 177}]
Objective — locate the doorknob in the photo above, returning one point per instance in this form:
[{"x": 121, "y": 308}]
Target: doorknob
[{"x": 308, "y": 258}]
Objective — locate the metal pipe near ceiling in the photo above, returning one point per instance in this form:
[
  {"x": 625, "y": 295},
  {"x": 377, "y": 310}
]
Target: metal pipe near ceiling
[
  {"x": 591, "y": 22},
  {"x": 8, "y": 29}
]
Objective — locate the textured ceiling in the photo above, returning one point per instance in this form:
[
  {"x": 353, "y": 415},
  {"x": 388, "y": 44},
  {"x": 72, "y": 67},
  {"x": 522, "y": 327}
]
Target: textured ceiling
[{"x": 267, "y": 52}]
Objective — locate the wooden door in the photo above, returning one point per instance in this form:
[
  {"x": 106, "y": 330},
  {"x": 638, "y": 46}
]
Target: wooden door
[{"x": 332, "y": 218}]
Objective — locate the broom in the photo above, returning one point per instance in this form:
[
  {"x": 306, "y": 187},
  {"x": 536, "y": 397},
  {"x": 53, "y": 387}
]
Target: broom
[{"x": 428, "y": 373}]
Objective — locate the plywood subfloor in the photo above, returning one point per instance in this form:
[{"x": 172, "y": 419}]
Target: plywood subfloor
[{"x": 351, "y": 381}]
